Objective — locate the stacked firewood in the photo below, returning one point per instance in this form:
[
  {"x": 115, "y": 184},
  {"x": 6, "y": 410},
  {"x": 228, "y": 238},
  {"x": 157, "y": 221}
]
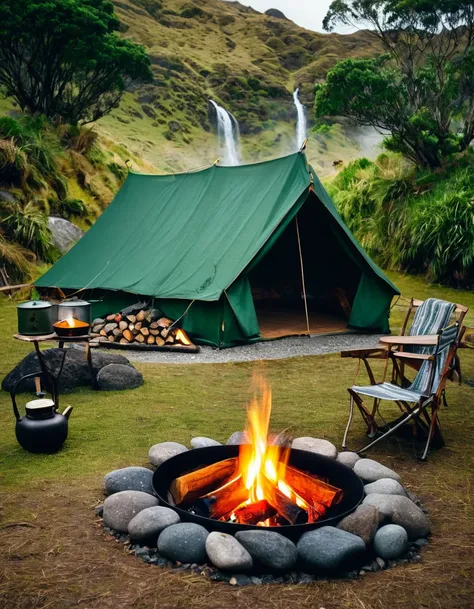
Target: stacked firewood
[{"x": 141, "y": 327}]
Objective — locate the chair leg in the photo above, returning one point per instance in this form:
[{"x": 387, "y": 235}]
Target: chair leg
[
  {"x": 412, "y": 414},
  {"x": 349, "y": 421},
  {"x": 434, "y": 416}
]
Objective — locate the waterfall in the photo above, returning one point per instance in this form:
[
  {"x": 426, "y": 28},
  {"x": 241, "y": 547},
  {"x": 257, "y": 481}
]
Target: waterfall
[
  {"x": 228, "y": 133},
  {"x": 301, "y": 120}
]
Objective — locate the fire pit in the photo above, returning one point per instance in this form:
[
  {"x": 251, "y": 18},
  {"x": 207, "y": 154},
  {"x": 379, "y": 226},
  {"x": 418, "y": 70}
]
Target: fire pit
[
  {"x": 71, "y": 327},
  {"x": 339, "y": 475}
]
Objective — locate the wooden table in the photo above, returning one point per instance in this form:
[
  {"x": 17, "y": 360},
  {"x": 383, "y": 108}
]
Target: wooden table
[
  {"x": 62, "y": 340},
  {"x": 426, "y": 340}
]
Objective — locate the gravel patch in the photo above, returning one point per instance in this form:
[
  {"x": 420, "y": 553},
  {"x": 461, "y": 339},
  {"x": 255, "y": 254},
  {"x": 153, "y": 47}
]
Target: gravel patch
[{"x": 295, "y": 346}]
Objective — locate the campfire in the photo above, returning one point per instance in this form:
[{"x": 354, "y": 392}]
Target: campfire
[{"x": 258, "y": 487}]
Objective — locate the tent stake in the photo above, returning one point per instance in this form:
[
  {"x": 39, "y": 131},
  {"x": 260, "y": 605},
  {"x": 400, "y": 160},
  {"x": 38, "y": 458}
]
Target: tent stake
[{"x": 302, "y": 275}]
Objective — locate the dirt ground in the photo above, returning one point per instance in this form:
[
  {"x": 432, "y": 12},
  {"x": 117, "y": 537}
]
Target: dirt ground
[{"x": 54, "y": 555}]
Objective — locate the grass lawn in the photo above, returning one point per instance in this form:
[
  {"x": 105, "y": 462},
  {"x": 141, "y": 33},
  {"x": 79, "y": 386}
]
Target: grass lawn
[{"x": 54, "y": 555}]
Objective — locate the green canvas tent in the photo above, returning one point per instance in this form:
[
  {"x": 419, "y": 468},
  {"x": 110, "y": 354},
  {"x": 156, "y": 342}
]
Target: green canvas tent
[{"x": 208, "y": 246}]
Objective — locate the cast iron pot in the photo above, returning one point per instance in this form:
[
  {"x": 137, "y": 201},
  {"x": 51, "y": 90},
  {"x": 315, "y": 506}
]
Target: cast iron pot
[
  {"x": 79, "y": 309},
  {"x": 34, "y": 318},
  {"x": 339, "y": 475}
]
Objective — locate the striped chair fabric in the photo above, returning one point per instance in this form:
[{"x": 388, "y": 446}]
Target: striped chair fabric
[
  {"x": 431, "y": 317},
  {"x": 424, "y": 384}
]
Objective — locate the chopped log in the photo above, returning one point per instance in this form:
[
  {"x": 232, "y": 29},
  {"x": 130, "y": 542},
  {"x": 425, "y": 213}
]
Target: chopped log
[
  {"x": 131, "y": 327},
  {"x": 164, "y": 333},
  {"x": 98, "y": 327},
  {"x": 111, "y": 317},
  {"x": 103, "y": 332},
  {"x": 128, "y": 336},
  {"x": 145, "y": 331},
  {"x": 131, "y": 319},
  {"x": 111, "y": 338},
  {"x": 138, "y": 325},
  {"x": 191, "y": 486},
  {"x": 254, "y": 513},
  {"x": 154, "y": 332},
  {"x": 312, "y": 490},
  {"x": 164, "y": 322},
  {"x": 123, "y": 325},
  {"x": 140, "y": 338},
  {"x": 287, "y": 508},
  {"x": 315, "y": 512},
  {"x": 159, "y": 341},
  {"x": 149, "y": 318},
  {"x": 123, "y": 341},
  {"x": 117, "y": 333},
  {"x": 150, "y": 340},
  {"x": 94, "y": 335},
  {"x": 170, "y": 339},
  {"x": 109, "y": 327},
  {"x": 225, "y": 499},
  {"x": 154, "y": 325},
  {"x": 118, "y": 318},
  {"x": 141, "y": 315}
]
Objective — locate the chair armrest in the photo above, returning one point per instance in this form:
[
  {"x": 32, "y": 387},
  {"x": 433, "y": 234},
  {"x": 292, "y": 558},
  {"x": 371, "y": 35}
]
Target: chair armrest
[
  {"x": 375, "y": 352},
  {"x": 429, "y": 339},
  {"x": 418, "y": 356}
]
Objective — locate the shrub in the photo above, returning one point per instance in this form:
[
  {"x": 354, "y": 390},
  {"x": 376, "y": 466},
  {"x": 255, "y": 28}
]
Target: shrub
[{"x": 27, "y": 225}]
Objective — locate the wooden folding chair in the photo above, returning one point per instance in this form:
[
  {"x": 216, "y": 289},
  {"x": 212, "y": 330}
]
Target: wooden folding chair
[{"x": 420, "y": 401}]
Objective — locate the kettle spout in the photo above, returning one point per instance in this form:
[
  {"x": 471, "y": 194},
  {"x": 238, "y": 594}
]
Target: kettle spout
[{"x": 67, "y": 412}]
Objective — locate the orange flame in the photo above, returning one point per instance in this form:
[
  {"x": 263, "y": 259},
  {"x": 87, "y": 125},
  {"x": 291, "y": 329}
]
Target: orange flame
[
  {"x": 182, "y": 337},
  {"x": 262, "y": 464}
]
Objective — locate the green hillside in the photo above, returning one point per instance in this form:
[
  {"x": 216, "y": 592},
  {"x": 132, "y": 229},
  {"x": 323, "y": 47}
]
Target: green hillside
[{"x": 248, "y": 62}]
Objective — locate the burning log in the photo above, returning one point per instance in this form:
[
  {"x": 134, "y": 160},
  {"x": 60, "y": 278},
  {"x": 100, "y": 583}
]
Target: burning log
[
  {"x": 287, "y": 508},
  {"x": 254, "y": 513},
  {"x": 224, "y": 500},
  {"x": 311, "y": 489},
  {"x": 190, "y": 487}
]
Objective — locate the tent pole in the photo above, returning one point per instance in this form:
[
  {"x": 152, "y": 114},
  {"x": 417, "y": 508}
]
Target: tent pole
[{"x": 302, "y": 275}]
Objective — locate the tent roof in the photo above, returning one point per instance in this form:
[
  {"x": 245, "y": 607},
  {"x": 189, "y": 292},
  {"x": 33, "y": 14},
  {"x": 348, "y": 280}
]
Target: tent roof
[{"x": 190, "y": 235}]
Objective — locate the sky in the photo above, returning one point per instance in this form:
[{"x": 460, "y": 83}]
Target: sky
[{"x": 307, "y": 13}]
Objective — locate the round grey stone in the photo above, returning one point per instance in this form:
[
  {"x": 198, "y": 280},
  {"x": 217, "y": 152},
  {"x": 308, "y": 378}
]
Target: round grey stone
[
  {"x": 116, "y": 377},
  {"x": 121, "y": 507},
  {"x": 315, "y": 445},
  {"x": 203, "y": 442},
  {"x": 185, "y": 542},
  {"x": 225, "y": 552},
  {"x": 270, "y": 549},
  {"x": 391, "y": 542},
  {"x": 363, "y": 522},
  {"x": 149, "y": 523},
  {"x": 238, "y": 437},
  {"x": 129, "y": 479},
  {"x": 159, "y": 453},
  {"x": 401, "y": 510},
  {"x": 385, "y": 486},
  {"x": 348, "y": 458},
  {"x": 370, "y": 471},
  {"x": 330, "y": 549}
]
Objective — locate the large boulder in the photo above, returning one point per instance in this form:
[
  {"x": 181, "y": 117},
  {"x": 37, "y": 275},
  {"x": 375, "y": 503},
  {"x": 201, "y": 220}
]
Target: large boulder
[
  {"x": 64, "y": 234},
  {"x": 120, "y": 508},
  {"x": 330, "y": 549},
  {"x": 75, "y": 372},
  {"x": 269, "y": 549},
  {"x": 185, "y": 542},
  {"x": 363, "y": 522},
  {"x": 116, "y": 377},
  {"x": 401, "y": 510},
  {"x": 129, "y": 479}
]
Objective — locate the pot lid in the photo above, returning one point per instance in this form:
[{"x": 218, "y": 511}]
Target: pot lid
[
  {"x": 34, "y": 304},
  {"x": 74, "y": 303},
  {"x": 38, "y": 404}
]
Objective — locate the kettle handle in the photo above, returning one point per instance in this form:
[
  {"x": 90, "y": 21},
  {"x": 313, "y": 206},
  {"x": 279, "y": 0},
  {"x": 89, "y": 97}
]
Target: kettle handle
[{"x": 54, "y": 392}]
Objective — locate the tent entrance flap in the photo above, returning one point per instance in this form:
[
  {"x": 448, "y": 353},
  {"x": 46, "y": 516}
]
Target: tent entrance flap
[{"x": 306, "y": 277}]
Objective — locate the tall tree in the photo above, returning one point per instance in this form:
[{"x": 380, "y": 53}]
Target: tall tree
[
  {"x": 62, "y": 58},
  {"x": 421, "y": 87}
]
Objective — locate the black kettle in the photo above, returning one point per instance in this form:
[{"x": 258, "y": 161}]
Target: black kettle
[{"x": 43, "y": 429}]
